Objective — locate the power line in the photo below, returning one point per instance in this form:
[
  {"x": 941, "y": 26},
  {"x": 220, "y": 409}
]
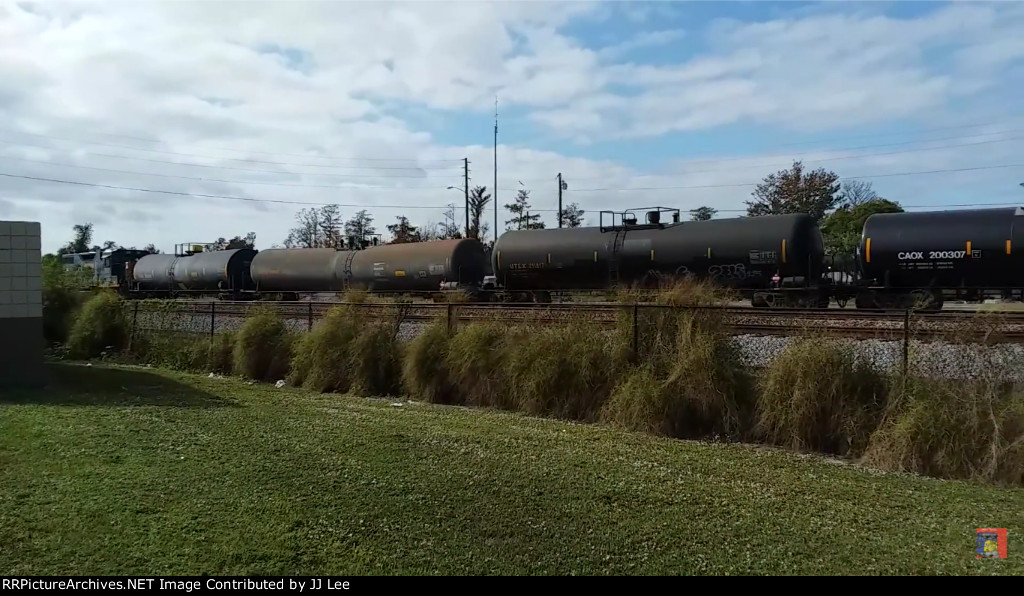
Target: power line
[
  {"x": 197, "y": 195},
  {"x": 206, "y": 196},
  {"x": 886, "y": 134},
  {"x": 1012, "y": 165},
  {"x": 833, "y": 158},
  {"x": 151, "y": 140},
  {"x": 253, "y": 170},
  {"x": 381, "y": 176},
  {"x": 278, "y": 163},
  {"x": 134, "y": 173}
]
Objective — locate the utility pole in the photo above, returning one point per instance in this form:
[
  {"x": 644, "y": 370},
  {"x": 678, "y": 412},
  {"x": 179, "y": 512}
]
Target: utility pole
[
  {"x": 559, "y": 199},
  {"x": 465, "y": 187},
  {"x": 495, "y": 169}
]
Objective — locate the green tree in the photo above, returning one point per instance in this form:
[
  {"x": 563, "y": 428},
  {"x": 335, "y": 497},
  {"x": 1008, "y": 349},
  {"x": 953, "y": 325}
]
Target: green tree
[
  {"x": 403, "y": 232},
  {"x": 702, "y": 213},
  {"x": 360, "y": 226},
  {"x": 523, "y": 219},
  {"x": 249, "y": 241},
  {"x": 572, "y": 216},
  {"x": 856, "y": 192},
  {"x": 796, "y": 191},
  {"x": 82, "y": 241},
  {"x": 842, "y": 229}
]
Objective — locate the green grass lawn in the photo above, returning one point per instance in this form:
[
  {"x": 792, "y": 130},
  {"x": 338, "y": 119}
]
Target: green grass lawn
[{"x": 132, "y": 471}]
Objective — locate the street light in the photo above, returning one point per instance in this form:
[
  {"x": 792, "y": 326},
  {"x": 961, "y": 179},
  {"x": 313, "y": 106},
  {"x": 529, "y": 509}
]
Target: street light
[{"x": 465, "y": 193}]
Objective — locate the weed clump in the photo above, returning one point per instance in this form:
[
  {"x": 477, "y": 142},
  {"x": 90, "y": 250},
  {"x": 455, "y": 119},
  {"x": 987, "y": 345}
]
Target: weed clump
[
  {"x": 321, "y": 361},
  {"x": 424, "y": 371},
  {"x": 565, "y": 371},
  {"x": 475, "y": 363},
  {"x": 375, "y": 360},
  {"x": 263, "y": 345},
  {"x": 958, "y": 430},
  {"x": 100, "y": 324},
  {"x": 690, "y": 381},
  {"x": 819, "y": 396},
  {"x": 345, "y": 352}
]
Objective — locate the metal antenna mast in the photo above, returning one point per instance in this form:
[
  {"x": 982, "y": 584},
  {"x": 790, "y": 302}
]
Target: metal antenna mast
[{"x": 495, "y": 169}]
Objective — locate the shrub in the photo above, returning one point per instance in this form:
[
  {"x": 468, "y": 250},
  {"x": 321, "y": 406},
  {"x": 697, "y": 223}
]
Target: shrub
[
  {"x": 475, "y": 361},
  {"x": 99, "y": 324},
  {"x": 62, "y": 297},
  {"x": 345, "y": 352},
  {"x": 375, "y": 360},
  {"x": 961, "y": 429},
  {"x": 564, "y": 371},
  {"x": 321, "y": 362},
  {"x": 817, "y": 395},
  {"x": 221, "y": 353},
  {"x": 424, "y": 371},
  {"x": 263, "y": 345},
  {"x": 691, "y": 384}
]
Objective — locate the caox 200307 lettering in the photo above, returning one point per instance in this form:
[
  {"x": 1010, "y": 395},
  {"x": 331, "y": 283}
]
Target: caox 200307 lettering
[{"x": 933, "y": 254}]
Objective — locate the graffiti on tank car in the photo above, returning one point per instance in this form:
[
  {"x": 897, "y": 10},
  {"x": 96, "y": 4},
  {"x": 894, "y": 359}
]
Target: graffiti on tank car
[{"x": 733, "y": 271}]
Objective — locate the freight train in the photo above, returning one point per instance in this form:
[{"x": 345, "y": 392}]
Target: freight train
[{"x": 903, "y": 260}]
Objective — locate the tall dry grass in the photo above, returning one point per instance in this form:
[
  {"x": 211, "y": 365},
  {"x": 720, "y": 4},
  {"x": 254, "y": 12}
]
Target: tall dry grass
[
  {"x": 566, "y": 371},
  {"x": 817, "y": 395},
  {"x": 263, "y": 345},
  {"x": 688, "y": 379},
  {"x": 968, "y": 428},
  {"x": 425, "y": 373},
  {"x": 98, "y": 327},
  {"x": 349, "y": 352}
]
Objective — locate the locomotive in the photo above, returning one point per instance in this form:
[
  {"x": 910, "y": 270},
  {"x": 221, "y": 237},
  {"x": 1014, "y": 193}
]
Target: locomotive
[{"x": 903, "y": 260}]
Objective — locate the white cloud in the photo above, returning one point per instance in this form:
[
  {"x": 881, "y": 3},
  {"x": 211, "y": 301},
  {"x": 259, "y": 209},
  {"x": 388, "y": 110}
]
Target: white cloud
[
  {"x": 807, "y": 73},
  {"x": 201, "y": 78}
]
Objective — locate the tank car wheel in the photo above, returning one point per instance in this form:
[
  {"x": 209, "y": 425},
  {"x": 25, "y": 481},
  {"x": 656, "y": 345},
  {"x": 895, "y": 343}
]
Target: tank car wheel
[{"x": 925, "y": 300}]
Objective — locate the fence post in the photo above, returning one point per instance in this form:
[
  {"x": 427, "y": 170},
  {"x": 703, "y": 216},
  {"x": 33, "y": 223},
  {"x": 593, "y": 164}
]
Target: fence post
[
  {"x": 906, "y": 342},
  {"x": 449, "y": 315},
  {"x": 636, "y": 329},
  {"x": 213, "y": 319},
  {"x": 309, "y": 317},
  {"x": 135, "y": 319}
]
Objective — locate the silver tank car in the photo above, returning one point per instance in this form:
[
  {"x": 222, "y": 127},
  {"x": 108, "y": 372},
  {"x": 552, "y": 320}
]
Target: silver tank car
[
  {"x": 215, "y": 271},
  {"x": 411, "y": 267}
]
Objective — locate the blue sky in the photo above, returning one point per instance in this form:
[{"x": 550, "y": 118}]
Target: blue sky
[{"x": 266, "y": 108}]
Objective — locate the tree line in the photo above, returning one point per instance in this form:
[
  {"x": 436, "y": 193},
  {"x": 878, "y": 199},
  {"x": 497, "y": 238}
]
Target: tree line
[
  {"x": 839, "y": 208},
  {"x": 323, "y": 227}
]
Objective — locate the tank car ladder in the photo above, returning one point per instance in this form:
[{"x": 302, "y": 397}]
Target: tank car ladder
[
  {"x": 613, "y": 258},
  {"x": 347, "y": 281}
]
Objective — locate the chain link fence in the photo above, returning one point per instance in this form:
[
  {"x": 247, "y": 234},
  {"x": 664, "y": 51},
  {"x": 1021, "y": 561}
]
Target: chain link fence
[{"x": 950, "y": 344}]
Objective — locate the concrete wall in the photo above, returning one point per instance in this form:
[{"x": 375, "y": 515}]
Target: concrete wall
[{"x": 21, "y": 305}]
